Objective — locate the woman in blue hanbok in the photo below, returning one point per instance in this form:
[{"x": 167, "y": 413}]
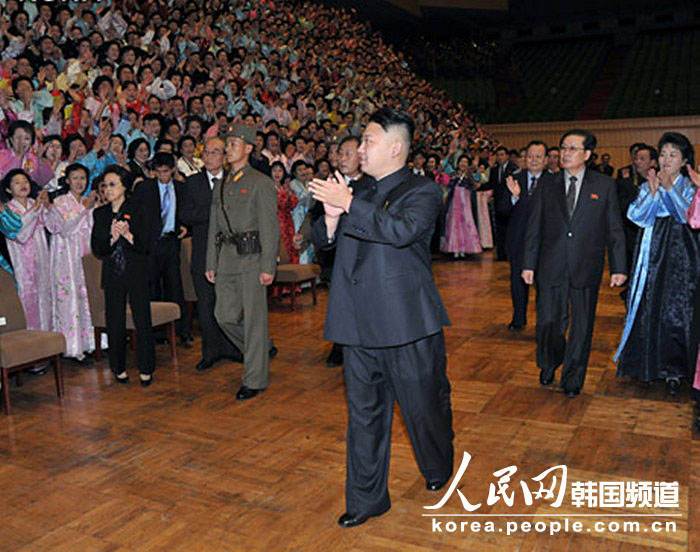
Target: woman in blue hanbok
[
  {"x": 656, "y": 341},
  {"x": 10, "y": 225}
]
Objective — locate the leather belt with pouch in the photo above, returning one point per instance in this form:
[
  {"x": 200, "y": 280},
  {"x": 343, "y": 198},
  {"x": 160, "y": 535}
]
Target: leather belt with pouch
[{"x": 247, "y": 243}]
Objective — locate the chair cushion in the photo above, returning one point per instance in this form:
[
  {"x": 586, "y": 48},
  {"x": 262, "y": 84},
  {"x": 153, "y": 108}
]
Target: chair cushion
[
  {"x": 292, "y": 273},
  {"x": 161, "y": 313},
  {"x": 24, "y": 346}
]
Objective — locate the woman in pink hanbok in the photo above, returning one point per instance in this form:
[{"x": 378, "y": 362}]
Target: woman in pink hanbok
[
  {"x": 70, "y": 223},
  {"x": 29, "y": 250},
  {"x": 20, "y": 154},
  {"x": 461, "y": 236}
]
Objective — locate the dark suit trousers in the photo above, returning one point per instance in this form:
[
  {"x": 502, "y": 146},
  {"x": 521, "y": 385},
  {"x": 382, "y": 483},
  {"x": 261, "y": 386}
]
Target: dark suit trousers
[
  {"x": 501, "y": 229},
  {"x": 415, "y": 376},
  {"x": 115, "y": 313},
  {"x": 215, "y": 344},
  {"x": 553, "y": 347},
  {"x": 519, "y": 294},
  {"x": 166, "y": 281}
]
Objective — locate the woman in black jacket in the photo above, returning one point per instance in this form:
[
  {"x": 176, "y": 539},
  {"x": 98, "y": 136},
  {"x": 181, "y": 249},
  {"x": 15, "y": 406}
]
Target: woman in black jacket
[{"x": 120, "y": 238}]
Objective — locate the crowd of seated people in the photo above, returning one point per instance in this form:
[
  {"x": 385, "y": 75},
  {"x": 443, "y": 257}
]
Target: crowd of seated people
[{"x": 90, "y": 86}]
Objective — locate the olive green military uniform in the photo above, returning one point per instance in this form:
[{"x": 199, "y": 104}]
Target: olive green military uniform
[{"x": 250, "y": 201}]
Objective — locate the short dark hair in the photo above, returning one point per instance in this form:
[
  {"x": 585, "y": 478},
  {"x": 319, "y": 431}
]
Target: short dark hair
[
  {"x": 76, "y": 167},
  {"x": 125, "y": 176},
  {"x": 653, "y": 154},
  {"x": 163, "y": 159},
  {"x": 347, "y": 139},
  {"x": 135, "y": 145},
  {"x": 296, "y": 165},
  {"x": 636, "y": 146},
  {"x": 539, "y": 143},
  {"x": 386, "y": 118},
  {"x": 551, "y": 149},
  {"x": 589, "y": 139},
  {"x": 501, "y": 148},
  {"x": 4, "y": 195},
  {"x": 21, "y": 124},
  {"x": 681, "y": 143}
]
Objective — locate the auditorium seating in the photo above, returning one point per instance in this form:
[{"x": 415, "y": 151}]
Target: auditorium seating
[
  {"x": 551, "y": 79},
  {"x": 660, "y": 77}
]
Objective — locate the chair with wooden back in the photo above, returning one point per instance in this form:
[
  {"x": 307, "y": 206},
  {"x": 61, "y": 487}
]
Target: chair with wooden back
[
  {"x": 162, "y": 313},
  {"x": 292, "y": 275},
  {"x": 21, "y": 348}
]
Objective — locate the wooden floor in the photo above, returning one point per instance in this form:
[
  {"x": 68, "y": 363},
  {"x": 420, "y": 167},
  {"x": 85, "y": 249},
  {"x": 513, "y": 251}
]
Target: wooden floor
[{"x": 183, "y": 466}]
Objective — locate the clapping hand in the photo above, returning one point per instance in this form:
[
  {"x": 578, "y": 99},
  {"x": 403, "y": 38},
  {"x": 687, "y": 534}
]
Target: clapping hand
[
  {"x": 334, "y": 193},
  {"x": 513, "y": 186},
  {"x": 653, "y": 180},
  {"x": 693, "y": 175}
]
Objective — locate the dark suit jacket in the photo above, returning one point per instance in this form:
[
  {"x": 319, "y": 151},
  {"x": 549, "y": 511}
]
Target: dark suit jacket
[
  {"x": 493, "y": 182},
  {"x": 147, "y": 193},
  {"x": 383, "y": 292},
  {"x": 136, "y": 255},
  {"x": 518, "y": 214},
  {"x": 563, "y": 251},
  {"x": 193, "y": 207}
]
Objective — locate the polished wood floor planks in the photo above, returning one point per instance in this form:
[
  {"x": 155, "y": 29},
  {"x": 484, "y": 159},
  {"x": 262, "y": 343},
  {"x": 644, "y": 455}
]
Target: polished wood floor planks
[{"x": 183, "y": 466}]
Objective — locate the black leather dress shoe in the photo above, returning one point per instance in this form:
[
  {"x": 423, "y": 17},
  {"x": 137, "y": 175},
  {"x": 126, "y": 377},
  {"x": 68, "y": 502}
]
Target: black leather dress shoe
[
  {"x": 335, "y": 358},
  {"x": 245, "y": 393},
  {"x": 348, "y": 520},
  {"x": 572, "y": 393},
  {"x": 273, "y": 351},
  {"x": 145, "y": 382},
  {"x": 435, "y": 485},
  {"x": 205, "y": 364},
  {"x": 512, "y": 327},
  {"x": 672, "y": 386},
  {"x": 546, "y": 378}
]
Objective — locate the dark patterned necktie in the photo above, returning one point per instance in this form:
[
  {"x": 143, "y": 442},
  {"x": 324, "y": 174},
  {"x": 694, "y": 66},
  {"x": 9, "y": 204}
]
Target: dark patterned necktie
[
  {"x": 216, "y": 181},
  {"x": 533, "y": 185},
  {"x": 571, "y": 196}
]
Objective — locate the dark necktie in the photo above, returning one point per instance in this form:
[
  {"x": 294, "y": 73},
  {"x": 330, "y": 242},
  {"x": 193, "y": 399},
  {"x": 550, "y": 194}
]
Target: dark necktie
[
  {"x": 571, "y": 196},
  {"x": 216, "y": 181},
  {"x": 533, "y": 185}
]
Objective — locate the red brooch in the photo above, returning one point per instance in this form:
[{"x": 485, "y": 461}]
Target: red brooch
[
  {"x": 127, "y": 216},
  {"x": 594, "y": 196}
]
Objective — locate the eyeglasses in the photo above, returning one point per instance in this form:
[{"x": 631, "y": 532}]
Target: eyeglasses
[{"x": 571, "y": 149}]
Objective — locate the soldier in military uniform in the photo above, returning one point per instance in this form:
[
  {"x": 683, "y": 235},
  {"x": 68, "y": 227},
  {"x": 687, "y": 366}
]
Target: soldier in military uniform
[{"x": 244, "y": 236}]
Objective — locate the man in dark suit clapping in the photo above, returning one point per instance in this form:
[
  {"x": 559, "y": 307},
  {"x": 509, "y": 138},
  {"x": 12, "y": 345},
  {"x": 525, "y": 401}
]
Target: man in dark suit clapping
[
  {"x": 386, "y": 311},
  {"x": 194, "y": 209},
  {"x": 574, "y": 217},
  {"x": 514, "y": 204}
]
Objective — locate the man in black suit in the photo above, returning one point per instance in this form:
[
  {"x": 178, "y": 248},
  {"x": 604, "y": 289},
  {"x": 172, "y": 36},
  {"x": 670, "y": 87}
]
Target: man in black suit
[
  {"x": 385, "y": 309},
  {"x": 515, "y": 204},
  {"x": 574, "y": 216},
  {"x": 605, "y": 167},
  {"x": 497, "y": 182},
  {"x": 159, "y": 197},
  {"x": 627, "y": 191},
  {"x": 193, "y": 211}
]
